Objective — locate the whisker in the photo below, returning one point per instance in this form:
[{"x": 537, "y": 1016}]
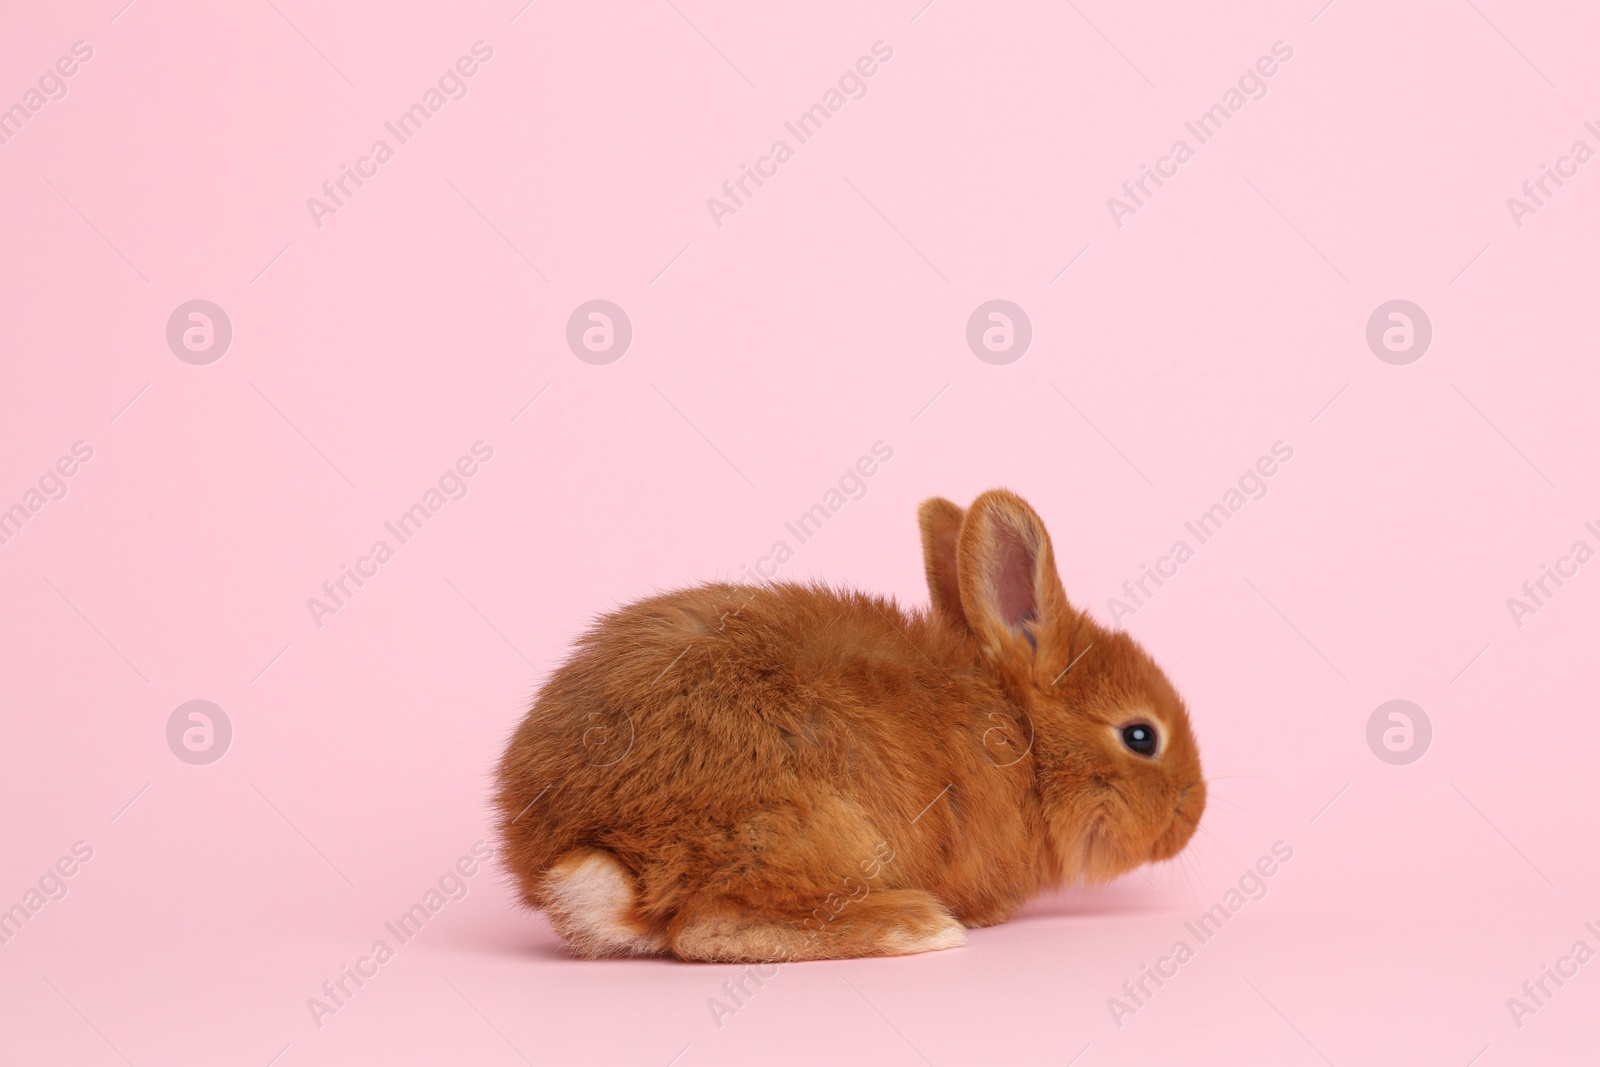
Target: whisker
[
  {"x": 1220, "y": 844},
  {"x": 1233, "y": 821},
  {"x": 1193, "y": 876},
  {"x": 1186, "y": 862},
  {"x": 1236, "y": 807}
]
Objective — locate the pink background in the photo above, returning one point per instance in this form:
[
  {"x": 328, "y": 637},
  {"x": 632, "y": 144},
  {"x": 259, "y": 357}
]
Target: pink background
[{"x": 768, "y": 354}]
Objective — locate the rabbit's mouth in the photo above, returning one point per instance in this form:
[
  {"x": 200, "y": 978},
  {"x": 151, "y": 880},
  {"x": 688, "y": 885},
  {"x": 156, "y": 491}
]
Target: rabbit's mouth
[
  {"x": 1098, "y": 853},
  {"x": 1185, "y": 820}
]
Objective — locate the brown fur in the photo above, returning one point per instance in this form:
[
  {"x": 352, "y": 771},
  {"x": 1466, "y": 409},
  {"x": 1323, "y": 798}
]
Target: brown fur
[{"x": 789, "y": 771}]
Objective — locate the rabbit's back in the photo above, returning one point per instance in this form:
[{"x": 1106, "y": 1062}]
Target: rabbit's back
[{"x": 681, "y": 718}]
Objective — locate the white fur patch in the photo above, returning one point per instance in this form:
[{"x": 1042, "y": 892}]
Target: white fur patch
[
  {"x": 904, "y": 942},
  {"x": 589, "y": 903}
]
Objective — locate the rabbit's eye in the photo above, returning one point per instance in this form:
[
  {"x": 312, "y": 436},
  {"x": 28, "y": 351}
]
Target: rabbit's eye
[{"x": 1140, "y": 737}]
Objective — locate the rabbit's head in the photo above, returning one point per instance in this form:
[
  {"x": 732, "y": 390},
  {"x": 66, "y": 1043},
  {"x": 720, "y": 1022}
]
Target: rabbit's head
[{"x": 1097, "y": 722}]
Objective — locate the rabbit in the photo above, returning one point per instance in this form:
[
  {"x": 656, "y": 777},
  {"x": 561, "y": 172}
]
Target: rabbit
[{"x": 777, "y": 772}]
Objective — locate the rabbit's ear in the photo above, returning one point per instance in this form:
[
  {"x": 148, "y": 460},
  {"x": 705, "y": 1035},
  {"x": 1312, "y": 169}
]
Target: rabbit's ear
[
  {"x": 1010, "y": 590},
  {"x": 941, "y": 531}
]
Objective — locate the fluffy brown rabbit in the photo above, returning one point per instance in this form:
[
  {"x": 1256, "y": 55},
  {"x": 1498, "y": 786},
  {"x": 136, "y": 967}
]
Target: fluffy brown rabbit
[{"x": 780, "y": 772}]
